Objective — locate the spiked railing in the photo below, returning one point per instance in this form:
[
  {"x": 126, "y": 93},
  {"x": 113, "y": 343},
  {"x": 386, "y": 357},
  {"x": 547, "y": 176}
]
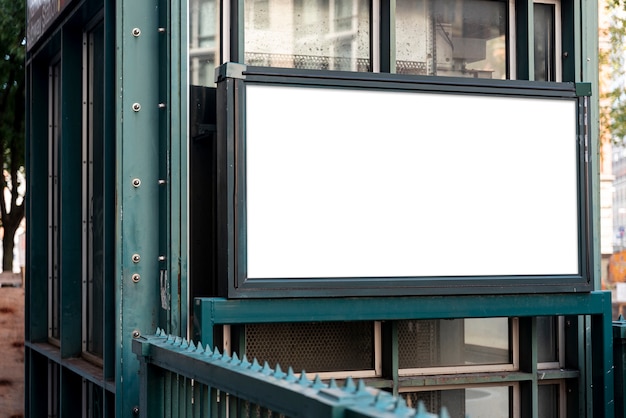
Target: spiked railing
[{"x": 182, "y": 379}]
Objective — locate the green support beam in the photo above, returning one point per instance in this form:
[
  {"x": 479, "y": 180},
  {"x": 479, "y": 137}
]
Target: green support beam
[{"x": 138, "y": 161}]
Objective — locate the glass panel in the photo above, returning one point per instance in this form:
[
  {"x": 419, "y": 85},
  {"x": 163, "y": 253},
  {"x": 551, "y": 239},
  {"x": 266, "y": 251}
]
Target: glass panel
[
  {"x": 203, "y": 41},
  {"x": 544, "y": 42},
  {"x": 53, "y": 200},
  {"x": 463, "y": 38},
  {"x": 480, "y": 402},
  {"x": 439, "y": 343},
  {"x": 93, "y": 401},
  {"x": 312, "y": 34},
  {"x": 95, "y": 194},
  {"x": 548, "y": 400},
  {"x": 53, "y": 388},
  {"x": 547, "y": 339}
]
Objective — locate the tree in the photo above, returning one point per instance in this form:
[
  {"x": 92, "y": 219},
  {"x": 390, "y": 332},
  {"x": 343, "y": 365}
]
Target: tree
[
  {"x": 613, "y": 96},
  {"x": 12, "y": 115}
]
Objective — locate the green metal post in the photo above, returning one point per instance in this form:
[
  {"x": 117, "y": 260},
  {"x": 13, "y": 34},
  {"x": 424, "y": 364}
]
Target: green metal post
[
  {"x": 138, "y": 156},
  {"x": 619, "y": 362}
]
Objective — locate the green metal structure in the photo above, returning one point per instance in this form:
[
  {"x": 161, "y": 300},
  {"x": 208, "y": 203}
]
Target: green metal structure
[{"x": 127, "y": 209}]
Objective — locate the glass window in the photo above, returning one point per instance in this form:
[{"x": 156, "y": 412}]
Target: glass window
[
  {"x": 478, "y": 402},
  {"x": 93, "y": 400},
  {"x": 464, "y": 38},
  {"x": 311, "y": 34},
  {"x": 548, "y": 400},
  {"x": 54, "y": 380},
  {"x": 203, "y": 41},
  {"x": 94, "y": 252},
  {"x": 54, "y": 119},
  {"x": 547, "y": 49},
  {"x": 458, "y": 342},
  {"x": 548, "y": 341}
]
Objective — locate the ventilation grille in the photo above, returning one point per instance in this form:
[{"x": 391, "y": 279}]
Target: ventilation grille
[
  {"x": 313, "y": 347},
  {"x": 418, "y": 344}
]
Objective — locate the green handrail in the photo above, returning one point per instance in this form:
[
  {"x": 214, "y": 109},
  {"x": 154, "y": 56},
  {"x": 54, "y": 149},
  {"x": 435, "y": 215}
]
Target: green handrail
[{"x": 181, "y": 379}]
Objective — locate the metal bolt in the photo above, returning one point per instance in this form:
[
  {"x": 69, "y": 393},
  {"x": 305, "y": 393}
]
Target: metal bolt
[
  {"x": 136, "y": 334},
  {"x": 136, "y": 182},
  {"x": 161, "y": 30},
  {"x": 136, "y": 258},
  {"x": 135, "y": 410},
  {"x": 136, "y": 107},
  {"x": 136, "y": 277},
  {"x": 161, "y": 182},
  {"x": 161, "y": 258},
  {"x": 136, "y": 32},
  {"x": 161, "y": 105}
]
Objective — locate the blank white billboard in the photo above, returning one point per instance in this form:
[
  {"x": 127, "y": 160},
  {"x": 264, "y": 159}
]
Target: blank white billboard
[{"x": 359, "y": 183}]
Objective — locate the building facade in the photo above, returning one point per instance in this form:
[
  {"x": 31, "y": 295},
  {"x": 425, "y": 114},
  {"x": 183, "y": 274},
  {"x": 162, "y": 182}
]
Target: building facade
[{"x": 400, "y": 191}]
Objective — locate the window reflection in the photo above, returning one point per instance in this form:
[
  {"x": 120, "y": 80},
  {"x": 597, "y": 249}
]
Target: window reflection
[
  {"x": 478, "y": 402},
  {"x": 548, "y": 401},
  {"x": 463, "y": 38},
  {"x": 311, "y": 34},
  {"x": 545, "y": 56},
  {"x": 203, "y": 41},
  {"x": 441, "y": 343},
  {"x": 547, "y": 339}
]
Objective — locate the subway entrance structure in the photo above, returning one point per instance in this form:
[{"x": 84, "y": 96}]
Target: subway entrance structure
[{"x": 399, "y": 191}]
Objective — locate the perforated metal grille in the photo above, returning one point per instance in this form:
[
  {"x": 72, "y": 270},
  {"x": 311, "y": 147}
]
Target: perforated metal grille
[
  {"x": 313, "y": 347},
  {"x": 418, "y": 343},
  {"x": 310, "y": 62}
]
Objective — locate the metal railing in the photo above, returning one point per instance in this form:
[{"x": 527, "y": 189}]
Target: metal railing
[{"x": 181, "y": 379}]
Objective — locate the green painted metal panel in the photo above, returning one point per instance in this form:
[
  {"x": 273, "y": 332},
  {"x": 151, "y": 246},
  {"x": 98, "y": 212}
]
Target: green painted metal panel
[
  {"x": 213, "y": 311},
  {"x": 70, "y": 170},
  {"x": 586, "y": 13},
  {"x": 137, "y": 156},
  {"x": 597, "y": 357},
  {"x": 36, "y": 206},
  {"x": 110, "y": 185}
]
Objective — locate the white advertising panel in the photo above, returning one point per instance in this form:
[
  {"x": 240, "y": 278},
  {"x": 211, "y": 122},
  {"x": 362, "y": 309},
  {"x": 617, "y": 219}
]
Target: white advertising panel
[{"x": 359, "y": 183}]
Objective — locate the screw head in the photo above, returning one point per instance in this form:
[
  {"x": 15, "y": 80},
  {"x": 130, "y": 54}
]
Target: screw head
[
  {"x": 136, "y": 32},
  {"x": 136, "y": 107},
  {"x": 136, "y": 182},
  {"x": 135, "y": 278},
  {"x": 136, "y": 334},
  {"x": 136, "y": 258},
  {"x": 135, "y": 410}
]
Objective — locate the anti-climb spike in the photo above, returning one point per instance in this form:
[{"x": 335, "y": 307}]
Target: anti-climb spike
[
  {"x": 266, "y": 370},
  {"x": 255, "y": 367},
  {"x": 349, "y": 386},
  {"x": 278, "y": 372},
  {"x": 317, "y": 382}
]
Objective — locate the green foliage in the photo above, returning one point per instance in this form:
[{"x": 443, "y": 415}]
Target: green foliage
[
  {"x": 12, "y": 115},
  {"x": 616, "y": 59}
]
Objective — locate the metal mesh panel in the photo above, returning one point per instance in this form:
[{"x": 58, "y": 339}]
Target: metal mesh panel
[
  {"x": 411, "y": 67},
  {"x": 314, "y": 347},
  {"x": 309, "y": 62},
  {"x": 418, "y": 343}
]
